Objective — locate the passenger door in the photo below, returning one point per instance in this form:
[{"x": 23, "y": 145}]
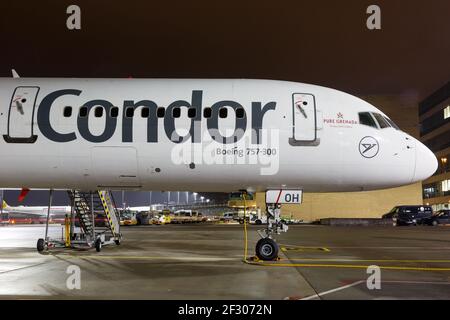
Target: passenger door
[
  {"x": 21, "y": 114},
  {"x": 304, "y": 116}
]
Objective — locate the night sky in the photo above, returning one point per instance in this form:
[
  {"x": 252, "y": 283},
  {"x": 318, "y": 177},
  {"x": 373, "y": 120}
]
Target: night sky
[{"x": 323, "y": 42}]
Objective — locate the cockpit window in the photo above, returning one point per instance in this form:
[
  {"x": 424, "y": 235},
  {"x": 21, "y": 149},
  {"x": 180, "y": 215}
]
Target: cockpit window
[
  {"x": 381, "y": 121},
  {"x": 366, "y": 119},
  {"x": 393, "y": 125}
]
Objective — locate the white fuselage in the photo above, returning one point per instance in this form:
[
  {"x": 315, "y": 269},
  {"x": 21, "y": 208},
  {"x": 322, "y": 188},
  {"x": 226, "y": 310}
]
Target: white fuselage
[
  {"x": 38, "y": 210},
  {"x": 275, "y": 134}
]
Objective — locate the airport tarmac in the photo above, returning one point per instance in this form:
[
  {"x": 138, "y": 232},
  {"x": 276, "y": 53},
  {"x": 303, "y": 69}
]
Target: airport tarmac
[{"x": 205, "y": 262}]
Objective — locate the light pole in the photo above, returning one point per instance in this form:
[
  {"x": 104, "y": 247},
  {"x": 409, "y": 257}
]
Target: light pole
[
  {"x": 1, "y": 207},
  {"x": 195, "y": 197},
  {"x": 202, "y": 198},
  {"x": 150, "y": 201}
]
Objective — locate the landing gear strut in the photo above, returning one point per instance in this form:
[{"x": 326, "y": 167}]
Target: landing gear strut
[{"x": 266, "y": 247}]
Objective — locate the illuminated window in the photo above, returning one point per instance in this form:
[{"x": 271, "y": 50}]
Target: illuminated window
[
  {"x": 445, "y": 185},
  {"x": 447, "y": 112}
]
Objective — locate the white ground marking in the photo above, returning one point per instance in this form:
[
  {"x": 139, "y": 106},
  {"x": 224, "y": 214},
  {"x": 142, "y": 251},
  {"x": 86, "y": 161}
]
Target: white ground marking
[{"x": 334, "y": 290}]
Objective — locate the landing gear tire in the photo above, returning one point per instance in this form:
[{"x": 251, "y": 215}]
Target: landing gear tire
[
  {"x": 267, "y": 249},
  {"x": 117, "y": 242},
  {"x": 258, "y": 222},
  {"x": 98, "y": 245},
  {"x": 40, "y": 245}
]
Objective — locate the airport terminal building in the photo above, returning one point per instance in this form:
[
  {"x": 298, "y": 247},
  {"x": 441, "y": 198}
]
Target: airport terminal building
[{"x": 434, "y": 113}]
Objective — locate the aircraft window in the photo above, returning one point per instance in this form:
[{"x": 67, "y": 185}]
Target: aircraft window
[
  {"x": 223, "y": 112},
  {"x": 145, "y": 112},
  {"x": 83, "y": 112},
  {"x": 381, "y": 122},
  {"x": 366, "y": 119},
  {"x": 176, "y": 112},
  {"x": 240, "y": 113},
  {"x": 67, "y": 112},
  {"x": 192, "y": 112},
  {"x": 114, "y": 112},
  {"x": 98, "y": 112},
  {"x": 160, "y": 112},
  {"x": 129, "y": 112},
  {"x": 393, "y": 125},
  {"x": 207, "y": 113}
]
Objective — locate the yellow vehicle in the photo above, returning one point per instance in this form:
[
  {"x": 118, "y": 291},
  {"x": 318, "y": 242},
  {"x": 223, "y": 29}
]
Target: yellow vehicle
[
  {"x": 128, "y": 219},
  {"x": 160, "y": 219},
  {"x": 166, "y": 218}
]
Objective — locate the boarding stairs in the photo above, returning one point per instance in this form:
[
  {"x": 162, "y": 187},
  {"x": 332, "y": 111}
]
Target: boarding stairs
[{"x": 101, "y": 224}]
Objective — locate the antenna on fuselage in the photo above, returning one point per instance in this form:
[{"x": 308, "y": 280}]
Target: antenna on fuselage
[{"x": 15, "y": 74}]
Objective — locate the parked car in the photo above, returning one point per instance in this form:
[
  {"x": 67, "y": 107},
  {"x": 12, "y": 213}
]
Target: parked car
[
  {"x": 228, "y": 216},
  {"x": 440, "y": 217},
  {"x": 409, "y": 215}
]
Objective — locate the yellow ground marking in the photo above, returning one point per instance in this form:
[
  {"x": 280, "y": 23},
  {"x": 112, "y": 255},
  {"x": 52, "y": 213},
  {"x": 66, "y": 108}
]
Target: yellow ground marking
[
  {"x": 344, "y": 266},
  {"x": 282, "y": 264},
  {"x": 370, "y": 260},
  {"x": 304, "y": 249}
]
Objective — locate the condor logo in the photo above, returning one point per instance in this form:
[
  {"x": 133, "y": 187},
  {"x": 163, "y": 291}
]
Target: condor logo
[
  {"x": 111, "y": 122},
  {"x": 368, "y": 147}
]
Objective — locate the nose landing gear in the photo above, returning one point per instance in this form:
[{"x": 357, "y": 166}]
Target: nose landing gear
[{"x": 267, "y": 248}]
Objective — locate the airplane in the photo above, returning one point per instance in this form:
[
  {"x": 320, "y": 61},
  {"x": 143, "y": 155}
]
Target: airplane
[
  {"x": 211, "y": 135},
  {"x": 35, "y": 213},
  {"x": 155, "y": 207},
  {"x": 36, "y": 210}
]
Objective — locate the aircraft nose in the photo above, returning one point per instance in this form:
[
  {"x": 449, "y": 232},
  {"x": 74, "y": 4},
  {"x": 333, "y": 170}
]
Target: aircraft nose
[{"x": 426, "y": 162}]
